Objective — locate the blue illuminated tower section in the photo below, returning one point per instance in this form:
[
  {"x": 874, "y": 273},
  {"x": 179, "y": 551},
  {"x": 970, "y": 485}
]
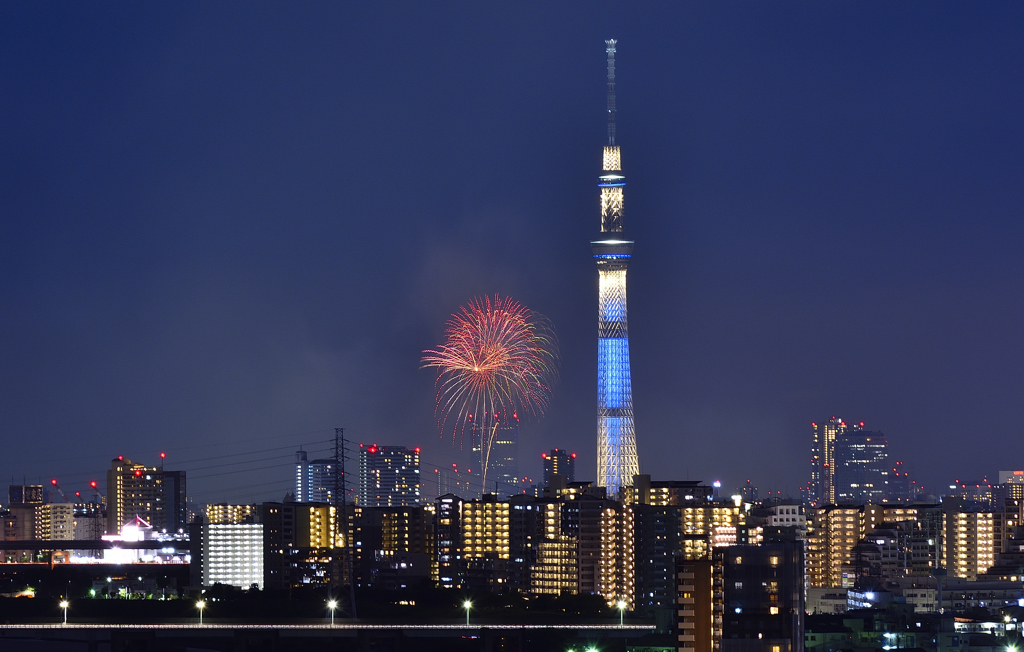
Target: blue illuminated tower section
[{"x": 617, "y": 461}]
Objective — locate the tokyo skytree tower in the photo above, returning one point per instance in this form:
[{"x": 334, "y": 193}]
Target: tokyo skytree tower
[{"x": 617, "y": 461}]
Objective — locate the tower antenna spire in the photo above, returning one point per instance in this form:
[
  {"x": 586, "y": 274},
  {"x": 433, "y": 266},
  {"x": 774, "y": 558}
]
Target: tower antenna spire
[
  {"x": 610, "y": 49},
  {"x": 617, "y": 461}
]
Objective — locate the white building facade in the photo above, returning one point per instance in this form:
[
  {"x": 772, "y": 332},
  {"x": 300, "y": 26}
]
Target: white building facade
[{"x": 233, "y": 554}]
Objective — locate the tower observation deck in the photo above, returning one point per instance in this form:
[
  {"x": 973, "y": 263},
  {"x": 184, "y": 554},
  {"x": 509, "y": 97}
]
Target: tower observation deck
[{"x": 617, "y": 460}]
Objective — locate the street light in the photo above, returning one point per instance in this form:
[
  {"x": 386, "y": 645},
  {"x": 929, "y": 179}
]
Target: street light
[
  {"x": 466, "y": 605},
  {"x": 200, "y": 605},
  {"x": 622, "y": 608},
  {"x": 64, "y": 606},
  {"x": 332, "y": 605}
]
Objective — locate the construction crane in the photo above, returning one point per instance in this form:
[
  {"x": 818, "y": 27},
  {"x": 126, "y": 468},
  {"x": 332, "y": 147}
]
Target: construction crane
[
  {"x": 61, "y": 491},
  {"x": 97, "y": 498}
]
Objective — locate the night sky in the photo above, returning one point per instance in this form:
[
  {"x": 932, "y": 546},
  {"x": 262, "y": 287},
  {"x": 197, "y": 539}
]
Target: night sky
[{"x": 228, "y": 228}]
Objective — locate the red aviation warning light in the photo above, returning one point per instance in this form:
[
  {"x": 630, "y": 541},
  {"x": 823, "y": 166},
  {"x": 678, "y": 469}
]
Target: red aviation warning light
[
  {"x": 545, "y": 455},
  {"x": 138, "y": 473},
  {"x": 54, "y": 482},
  {"x": 573, "y": 455},
  {"x": 93, "y": 484},
  {"x": 416, "y": 450},
  {"x": 163, "y": 455}
]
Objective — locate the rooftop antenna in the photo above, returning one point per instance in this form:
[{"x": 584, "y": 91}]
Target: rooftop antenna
[{"x": 610, "y": 49}]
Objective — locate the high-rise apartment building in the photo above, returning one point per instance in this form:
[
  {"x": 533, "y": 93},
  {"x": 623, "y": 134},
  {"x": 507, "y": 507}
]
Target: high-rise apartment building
[
  {"x": 448, "y": 541},
  {"x": 555, "y": 569},
  {"x": 833, "y": 534},
  {"x": 706, "y": 522},
  {"x": 485, "y": 529},
  {"x": 314, "y": 479},
  {"x": 560, "y": 462},
  {"x": 149, "y": 492},
  {"x": 389, "y": 476},
  {"x": 617, "y": 460},
  {"x": 860, "y": 468},
  {"x": 393, "y": 546},
  {"x": 618, "y": 572},
  {"x": 303, "y": 481},
  {"x": 300, "y": 540},
  {"x": 969, "y": 548},
  {"x": 701, "y": 605},
  {"x": 744, "y": 599},
  {"x": 55, "y": 522},
  {"x": 657, "y": 535},
  {"x": 223, "y": 514},
  {"x": 763, "y": 597},
  {"x": 232, "y": 554}
]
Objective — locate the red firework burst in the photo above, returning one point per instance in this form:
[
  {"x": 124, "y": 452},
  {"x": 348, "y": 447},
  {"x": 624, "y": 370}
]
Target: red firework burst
[{"x": 498, "y": 359}]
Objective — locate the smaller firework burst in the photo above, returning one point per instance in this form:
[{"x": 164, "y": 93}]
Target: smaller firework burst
[{"x": 498, "y": 358}]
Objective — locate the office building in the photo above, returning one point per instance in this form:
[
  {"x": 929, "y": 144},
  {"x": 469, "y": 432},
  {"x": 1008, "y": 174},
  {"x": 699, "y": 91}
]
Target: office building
[
  {"x": 823, "y": 439},
  {"x": 389, "y": 476},
  {"x": 1011, "y": 477},
  {"x": 560, "y": 462},
  {"x": 502, "y": 456},
  {"x": 901, "y": 488},
  {"x": 147, "y": 492},
  {"x": 861, "y": 470},
  {"x": 20, "y": 520},
  {"x": 617, "y": 460}
]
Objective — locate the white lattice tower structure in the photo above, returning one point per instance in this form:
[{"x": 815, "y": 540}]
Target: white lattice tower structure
[{"x": 617, "y": 461}]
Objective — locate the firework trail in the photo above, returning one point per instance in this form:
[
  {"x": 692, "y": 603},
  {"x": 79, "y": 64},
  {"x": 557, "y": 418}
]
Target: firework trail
[{"x": 498, "y": 359}]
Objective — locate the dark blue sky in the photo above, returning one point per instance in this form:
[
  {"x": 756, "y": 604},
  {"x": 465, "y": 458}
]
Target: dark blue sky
[{"x": 231, "y": 227}]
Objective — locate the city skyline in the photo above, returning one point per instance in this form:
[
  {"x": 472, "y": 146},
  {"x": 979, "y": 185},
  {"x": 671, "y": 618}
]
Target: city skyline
[{"x": 211, "y": 238}]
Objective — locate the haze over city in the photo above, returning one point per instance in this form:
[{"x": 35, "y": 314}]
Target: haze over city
[{"x": 229, "y": 231}]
